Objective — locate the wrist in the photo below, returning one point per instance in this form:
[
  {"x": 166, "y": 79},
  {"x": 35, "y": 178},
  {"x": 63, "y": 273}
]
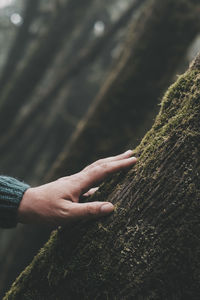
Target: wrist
[{"x": 25, "y": 210}]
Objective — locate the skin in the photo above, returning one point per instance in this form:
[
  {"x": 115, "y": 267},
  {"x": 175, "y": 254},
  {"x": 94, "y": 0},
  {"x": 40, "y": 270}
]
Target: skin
[{"x": 57, "y": 202}]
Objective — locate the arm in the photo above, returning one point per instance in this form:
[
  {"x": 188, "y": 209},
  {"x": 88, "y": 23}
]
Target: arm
[{"x": 57, "y": 202}]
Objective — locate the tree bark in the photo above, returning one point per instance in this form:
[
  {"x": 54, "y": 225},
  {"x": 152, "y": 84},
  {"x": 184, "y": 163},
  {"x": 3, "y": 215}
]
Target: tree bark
[
  {"x": 149, "y": 248},
  {"x": 157, "y": 42}
]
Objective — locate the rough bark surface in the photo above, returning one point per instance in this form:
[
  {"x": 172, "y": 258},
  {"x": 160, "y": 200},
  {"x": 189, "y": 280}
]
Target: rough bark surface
[
  {"x": 157, "y": 42},
  {"x": 150, "y": 247}
]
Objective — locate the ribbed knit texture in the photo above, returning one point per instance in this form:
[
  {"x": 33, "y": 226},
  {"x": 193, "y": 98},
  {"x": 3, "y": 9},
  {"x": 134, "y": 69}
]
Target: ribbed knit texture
[{"x": 11, "y": 193}]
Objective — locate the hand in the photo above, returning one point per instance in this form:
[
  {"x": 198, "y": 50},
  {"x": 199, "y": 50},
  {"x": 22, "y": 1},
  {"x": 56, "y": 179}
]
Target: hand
[{"x": 57, "y": 202}]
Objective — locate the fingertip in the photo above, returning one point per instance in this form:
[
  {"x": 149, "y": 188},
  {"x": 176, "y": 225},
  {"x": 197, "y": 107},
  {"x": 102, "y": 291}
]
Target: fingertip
[
  {"x": 107, "y": 208},
  {"x": 129, "y": 162},
  {"x": 133, "y": 158},
  {"x": 129, "y": 152}
]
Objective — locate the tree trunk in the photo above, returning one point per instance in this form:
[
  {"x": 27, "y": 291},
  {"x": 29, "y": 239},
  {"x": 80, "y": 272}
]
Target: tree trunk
[
  {"x": 149, "y": 248},
  {"x": 157, "y": 42}
]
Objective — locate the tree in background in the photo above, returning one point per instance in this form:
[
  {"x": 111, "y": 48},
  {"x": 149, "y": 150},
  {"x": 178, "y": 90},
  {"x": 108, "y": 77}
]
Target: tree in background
[
  {"x": 19, "y": 44},
  {"x": 127, "y": 102},
  {"x": 42, "y": 83}
]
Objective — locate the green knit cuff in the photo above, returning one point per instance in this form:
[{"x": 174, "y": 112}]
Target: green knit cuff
[{"x": 11, "y": 193}]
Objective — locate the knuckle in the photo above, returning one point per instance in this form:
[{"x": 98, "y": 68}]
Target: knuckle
[
  {"x": 104, "y": 168},
  {"x": 97, "y": 163},
  {"x": 94, "y": 164},
  {"x": 100, "y": 168},
  {"x": 64, "y": 211},
  {"x": 104, "y": 165},
  {"x": 73, "y": 178},
  {"x": 99, "y": 171},
  {"x": 98, "y": 160}
]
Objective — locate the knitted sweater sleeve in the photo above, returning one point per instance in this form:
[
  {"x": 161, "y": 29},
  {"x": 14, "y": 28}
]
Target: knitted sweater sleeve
[{"x": 11, "y": 193}]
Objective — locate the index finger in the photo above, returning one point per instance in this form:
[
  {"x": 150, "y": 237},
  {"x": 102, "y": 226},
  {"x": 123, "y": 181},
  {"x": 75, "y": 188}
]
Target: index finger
[
  {"x": 97, "y": 173},
  {"x": 121, "y": 156}
]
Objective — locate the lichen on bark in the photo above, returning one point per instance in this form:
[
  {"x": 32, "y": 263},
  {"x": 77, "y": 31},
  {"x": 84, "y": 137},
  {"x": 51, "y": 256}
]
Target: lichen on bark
[{"x": 150, "y": 247}]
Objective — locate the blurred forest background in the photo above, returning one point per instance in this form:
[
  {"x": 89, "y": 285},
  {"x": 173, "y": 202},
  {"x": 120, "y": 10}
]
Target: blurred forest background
[{"x": 72, "y": 76}]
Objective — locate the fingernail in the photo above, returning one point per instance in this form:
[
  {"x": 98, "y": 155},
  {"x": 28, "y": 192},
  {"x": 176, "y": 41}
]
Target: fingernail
[
  {"x": 133, "y": 158},
  {"x": 129, "y": 152},
  {"x": 107, "y": 208}
]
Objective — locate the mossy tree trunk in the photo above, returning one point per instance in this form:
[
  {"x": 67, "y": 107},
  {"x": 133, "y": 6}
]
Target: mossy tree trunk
[
  {"x": 156, "y": 43},
  {"x": 150, "y": 247}
]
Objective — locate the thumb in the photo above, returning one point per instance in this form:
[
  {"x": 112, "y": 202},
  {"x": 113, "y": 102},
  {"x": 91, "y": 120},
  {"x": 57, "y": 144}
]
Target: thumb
[{"x": 90, "y": 209}]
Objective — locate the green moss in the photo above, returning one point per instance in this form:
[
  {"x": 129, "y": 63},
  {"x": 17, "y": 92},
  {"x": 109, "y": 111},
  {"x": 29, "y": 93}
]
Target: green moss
[{"x": 175, "y": 111}]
